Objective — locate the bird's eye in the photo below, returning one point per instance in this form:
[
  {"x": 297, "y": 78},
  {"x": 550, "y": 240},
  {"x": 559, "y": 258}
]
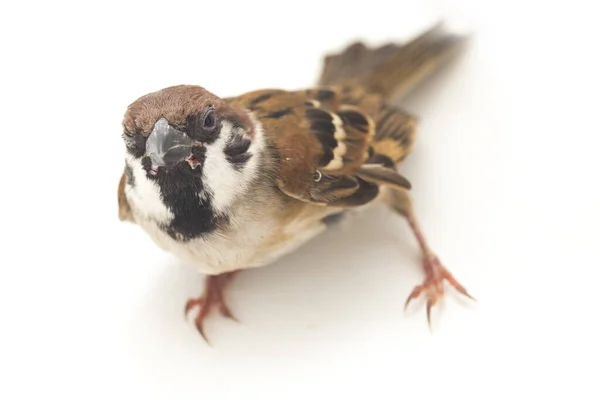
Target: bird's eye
[{"x": 209, "y": 122}]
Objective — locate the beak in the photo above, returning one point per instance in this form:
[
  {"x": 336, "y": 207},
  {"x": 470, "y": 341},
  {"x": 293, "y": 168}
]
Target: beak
[{"x": 166, "y": 145}]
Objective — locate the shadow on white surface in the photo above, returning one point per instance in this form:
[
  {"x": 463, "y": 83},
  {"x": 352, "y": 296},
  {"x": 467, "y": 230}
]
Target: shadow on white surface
[
  {"x": 334, "y": 307},
  {"x": 341, "y": 286}
]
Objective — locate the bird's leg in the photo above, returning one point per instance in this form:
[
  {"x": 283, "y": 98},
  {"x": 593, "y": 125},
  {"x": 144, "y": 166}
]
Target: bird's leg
[
  {"x": 435, "y": 272},
  {"x": 212, "y": 297}
]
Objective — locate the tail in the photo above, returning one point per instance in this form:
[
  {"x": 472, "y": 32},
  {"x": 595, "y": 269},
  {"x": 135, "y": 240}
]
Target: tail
[{"x": 390, "y": 72}]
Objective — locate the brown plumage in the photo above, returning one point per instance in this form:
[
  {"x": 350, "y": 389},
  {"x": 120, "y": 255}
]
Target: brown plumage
[
  {"x": 322, "y": 141},
  {"x": 289, "y": 160},
  {"x": 177, "y": 103}
]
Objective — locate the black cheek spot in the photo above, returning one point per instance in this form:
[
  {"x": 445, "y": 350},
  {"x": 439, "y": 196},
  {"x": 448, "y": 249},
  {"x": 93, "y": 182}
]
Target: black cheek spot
[
  {"x": 236, "y": 152},
  {"x": 237, "y": 146},
  {"x": 238, "y": 161}
]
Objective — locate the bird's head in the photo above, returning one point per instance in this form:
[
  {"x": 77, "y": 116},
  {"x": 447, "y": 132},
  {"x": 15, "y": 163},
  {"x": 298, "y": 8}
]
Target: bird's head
[{"x": 190, "y": 155}]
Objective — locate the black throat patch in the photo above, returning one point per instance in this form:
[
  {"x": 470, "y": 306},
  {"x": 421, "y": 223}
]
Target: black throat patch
[{"x": 181, "y": 188}]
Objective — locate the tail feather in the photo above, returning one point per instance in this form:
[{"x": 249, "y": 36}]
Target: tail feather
[
  {"x": 392, "y": 70},
  {"x": 388, "y": 73}
]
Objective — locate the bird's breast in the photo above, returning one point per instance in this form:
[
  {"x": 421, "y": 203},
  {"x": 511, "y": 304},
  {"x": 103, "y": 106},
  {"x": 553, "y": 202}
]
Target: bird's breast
[{"x": 253, "y": 243}]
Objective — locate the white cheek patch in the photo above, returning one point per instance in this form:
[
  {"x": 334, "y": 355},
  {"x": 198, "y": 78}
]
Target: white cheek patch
[
  {"x": 220, "y": 178},
  {"x": 145, "y": 197},
  {"x": 251, "y": 169}
]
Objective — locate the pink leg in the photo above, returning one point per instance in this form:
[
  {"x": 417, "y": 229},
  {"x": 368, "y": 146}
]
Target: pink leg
[
  {"x": 211, "y": 298},
  {"x": 435, "y": 272}
]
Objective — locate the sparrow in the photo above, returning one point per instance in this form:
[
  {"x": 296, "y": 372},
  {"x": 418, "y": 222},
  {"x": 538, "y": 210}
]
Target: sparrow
[{"x": 233, "y": 183}]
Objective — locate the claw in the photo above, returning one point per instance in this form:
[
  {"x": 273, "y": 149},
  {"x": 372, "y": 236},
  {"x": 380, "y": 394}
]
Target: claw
[
  {"x": 224, "y": 310},
  {"x": 416, "y": 292},
  {"x": 200, "y": 328},
  {"x": 429, "y": 305},
  {"x": 191, "y": 303},
  {"x": 211, "y": 298},
  {"x": 433, "y": 286},
  {"x": 457, "y": 285}
]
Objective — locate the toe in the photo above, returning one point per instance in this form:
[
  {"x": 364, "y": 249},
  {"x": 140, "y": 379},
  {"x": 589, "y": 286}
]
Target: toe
[
  {"x": 200, "y": 328},
  {"x": 226, "y": 312},
  {"x": 463, "y": 291},
  {"x": 191, "y": 303},
  {"x": 429, "y": 305},
  {"x": 452, "y": 281},
  {"x": 416, "y": 292}
]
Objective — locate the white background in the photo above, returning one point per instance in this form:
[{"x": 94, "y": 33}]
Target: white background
[{"x": 506, "y": 186}]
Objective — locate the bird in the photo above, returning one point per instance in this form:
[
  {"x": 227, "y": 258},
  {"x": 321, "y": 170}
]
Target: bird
[{"x": 228, "y": 184}]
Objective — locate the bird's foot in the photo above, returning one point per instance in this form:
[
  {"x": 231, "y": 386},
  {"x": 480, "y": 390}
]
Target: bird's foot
[
  {"x": 211, "y": 298},
  {"x": 433, "y": 285}
]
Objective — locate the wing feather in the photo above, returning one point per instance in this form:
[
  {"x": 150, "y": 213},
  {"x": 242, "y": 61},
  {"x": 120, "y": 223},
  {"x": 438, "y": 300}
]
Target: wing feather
[{"x": 324, "y": 141}]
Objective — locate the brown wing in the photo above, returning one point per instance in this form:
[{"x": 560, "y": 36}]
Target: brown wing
[{"x": 323, "y": 145}]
